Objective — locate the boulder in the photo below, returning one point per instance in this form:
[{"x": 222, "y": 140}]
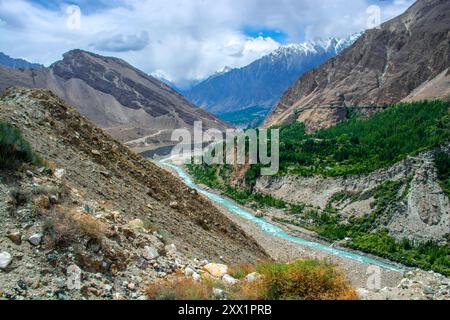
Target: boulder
[
  {"x": 252, "y": 277},
  {"x": 15, "y": 237},
  {"x": 189, "y": 271},
  {"x": 96, "y": 152},
  {"x": 196, "y": 276},
  {"x": 59, "y": 173},
  {"x": 218, "y": 293},
  {"x": 35, "y": 239},
  {"x": 5, "y": 260},
  {"x": 216, "y": 269},
  {"x": 173, "y": 204},
  {"x": 150, "y": 253},
  {"x": 229, "y": 280}
]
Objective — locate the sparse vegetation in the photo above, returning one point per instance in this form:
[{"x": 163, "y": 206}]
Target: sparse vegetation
[
  {"x": 368, "y": 234},
  {"x": 64, "y": 225},
  {"x": 300, "y": 280},
  {"x": 14, "y": 149},
  {"x": 180, "y": 288}
]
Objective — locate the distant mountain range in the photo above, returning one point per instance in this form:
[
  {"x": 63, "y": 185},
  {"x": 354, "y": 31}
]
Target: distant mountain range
[
  {"x": 407, "y": 59},
  {"x": 132, "y": 106},
  {"x": 255, "y": 88},
  {"x": 7, "y": 61}
]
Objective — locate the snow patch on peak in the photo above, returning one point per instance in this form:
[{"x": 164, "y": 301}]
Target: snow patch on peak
[{"x": 332, "y": 44}]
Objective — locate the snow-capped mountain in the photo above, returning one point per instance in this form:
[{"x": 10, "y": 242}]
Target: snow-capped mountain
[{"x": 262, "y": 83}]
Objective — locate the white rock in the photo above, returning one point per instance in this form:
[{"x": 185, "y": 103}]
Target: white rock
[
  {"x": 173, "y": 204},
  {"x": 216, "y": 269},
  {"x": 229, "y": 280},
  {"x": 35, "y": 239},
  {"x": 150, "y": 253},
  {"x": 196, "y": 276},
  {"x": 218, "y": 293},
  {"x": 5, "y": 260},
  {"x": 170, "y": 249},
  {"x": 362, "y": 293},
  {"x": 252, "y": 277},
  {"x": 189, "y": 271},
  {"x": 59, "y": 173}
]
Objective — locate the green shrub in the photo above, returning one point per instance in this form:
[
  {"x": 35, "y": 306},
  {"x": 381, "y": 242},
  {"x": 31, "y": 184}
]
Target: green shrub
[
  {"x": 14, "y": 149},
  {"x": 300, "y": 280}
]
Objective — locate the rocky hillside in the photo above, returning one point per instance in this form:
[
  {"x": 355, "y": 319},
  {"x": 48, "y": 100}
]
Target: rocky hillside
[
  {"x": 419, "y": 209},
  {"x": 129, "y": 104},
  {"x": 262, "y": 83},
  {"x": 95, "y": 204},
  {"x": 9, "y": 62},
  {"x": 384, "y": 66}
]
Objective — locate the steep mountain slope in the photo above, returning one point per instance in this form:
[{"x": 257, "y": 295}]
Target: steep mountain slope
[
  {"x": 124, "y": 101},
  {"x": 384, "y": 66},
  {"x": 7, "y": 61},
  {"x": 114, "y": 212},
  {"x": 261, "y": 83}
]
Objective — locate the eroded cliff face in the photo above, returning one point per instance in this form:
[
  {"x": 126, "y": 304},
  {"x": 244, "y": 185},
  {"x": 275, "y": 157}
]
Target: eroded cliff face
[
  {"x": 383, "y": 67},
  {"x": 421, "y": 212}
]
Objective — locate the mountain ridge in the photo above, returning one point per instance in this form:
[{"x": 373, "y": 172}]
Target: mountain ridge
[
  {"x": 7, "y": 61},
  {"x": 126, "y": 102},
  {"x": 382, "y": 67},
  {"x": 262, "y": 82}
]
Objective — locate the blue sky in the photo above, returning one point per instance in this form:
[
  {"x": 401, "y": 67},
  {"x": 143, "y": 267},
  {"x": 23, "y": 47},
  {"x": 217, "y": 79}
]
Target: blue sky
[
  {"x": 178, "y": 39},
  {"x": 261, "y": 31},
  {"x": 88, "y": 6}
]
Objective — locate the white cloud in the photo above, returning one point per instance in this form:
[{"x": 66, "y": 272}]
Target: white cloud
[
  {"x": 183, "y": 39},
  {"x": 122, "y": 43}
]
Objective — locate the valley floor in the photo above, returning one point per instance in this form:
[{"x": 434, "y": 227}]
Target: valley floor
[{"x": 371, "y": 282}]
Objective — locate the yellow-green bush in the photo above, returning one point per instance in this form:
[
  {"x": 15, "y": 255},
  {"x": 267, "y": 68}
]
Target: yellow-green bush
[{"x": 300, "y": 280}]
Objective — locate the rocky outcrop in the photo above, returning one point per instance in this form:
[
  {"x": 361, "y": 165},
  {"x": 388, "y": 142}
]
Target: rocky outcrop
[
  {"x": 422, "y": 214},
  {"x": 123, "y": 100},
  {"x": 383, "y": 67}
]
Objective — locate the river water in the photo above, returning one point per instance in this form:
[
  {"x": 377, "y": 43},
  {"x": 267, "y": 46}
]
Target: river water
[{"x": 272, "y": 229}]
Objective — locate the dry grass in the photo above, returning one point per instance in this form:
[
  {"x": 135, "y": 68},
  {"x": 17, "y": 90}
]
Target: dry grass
[
  {"x": 42, "y": 202},
  {"x": 300, "y": 280},
  {"x": 240, "y": 271},
  {"x": 180, "y": 288},
  {"x": 65, "y": 225}
]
